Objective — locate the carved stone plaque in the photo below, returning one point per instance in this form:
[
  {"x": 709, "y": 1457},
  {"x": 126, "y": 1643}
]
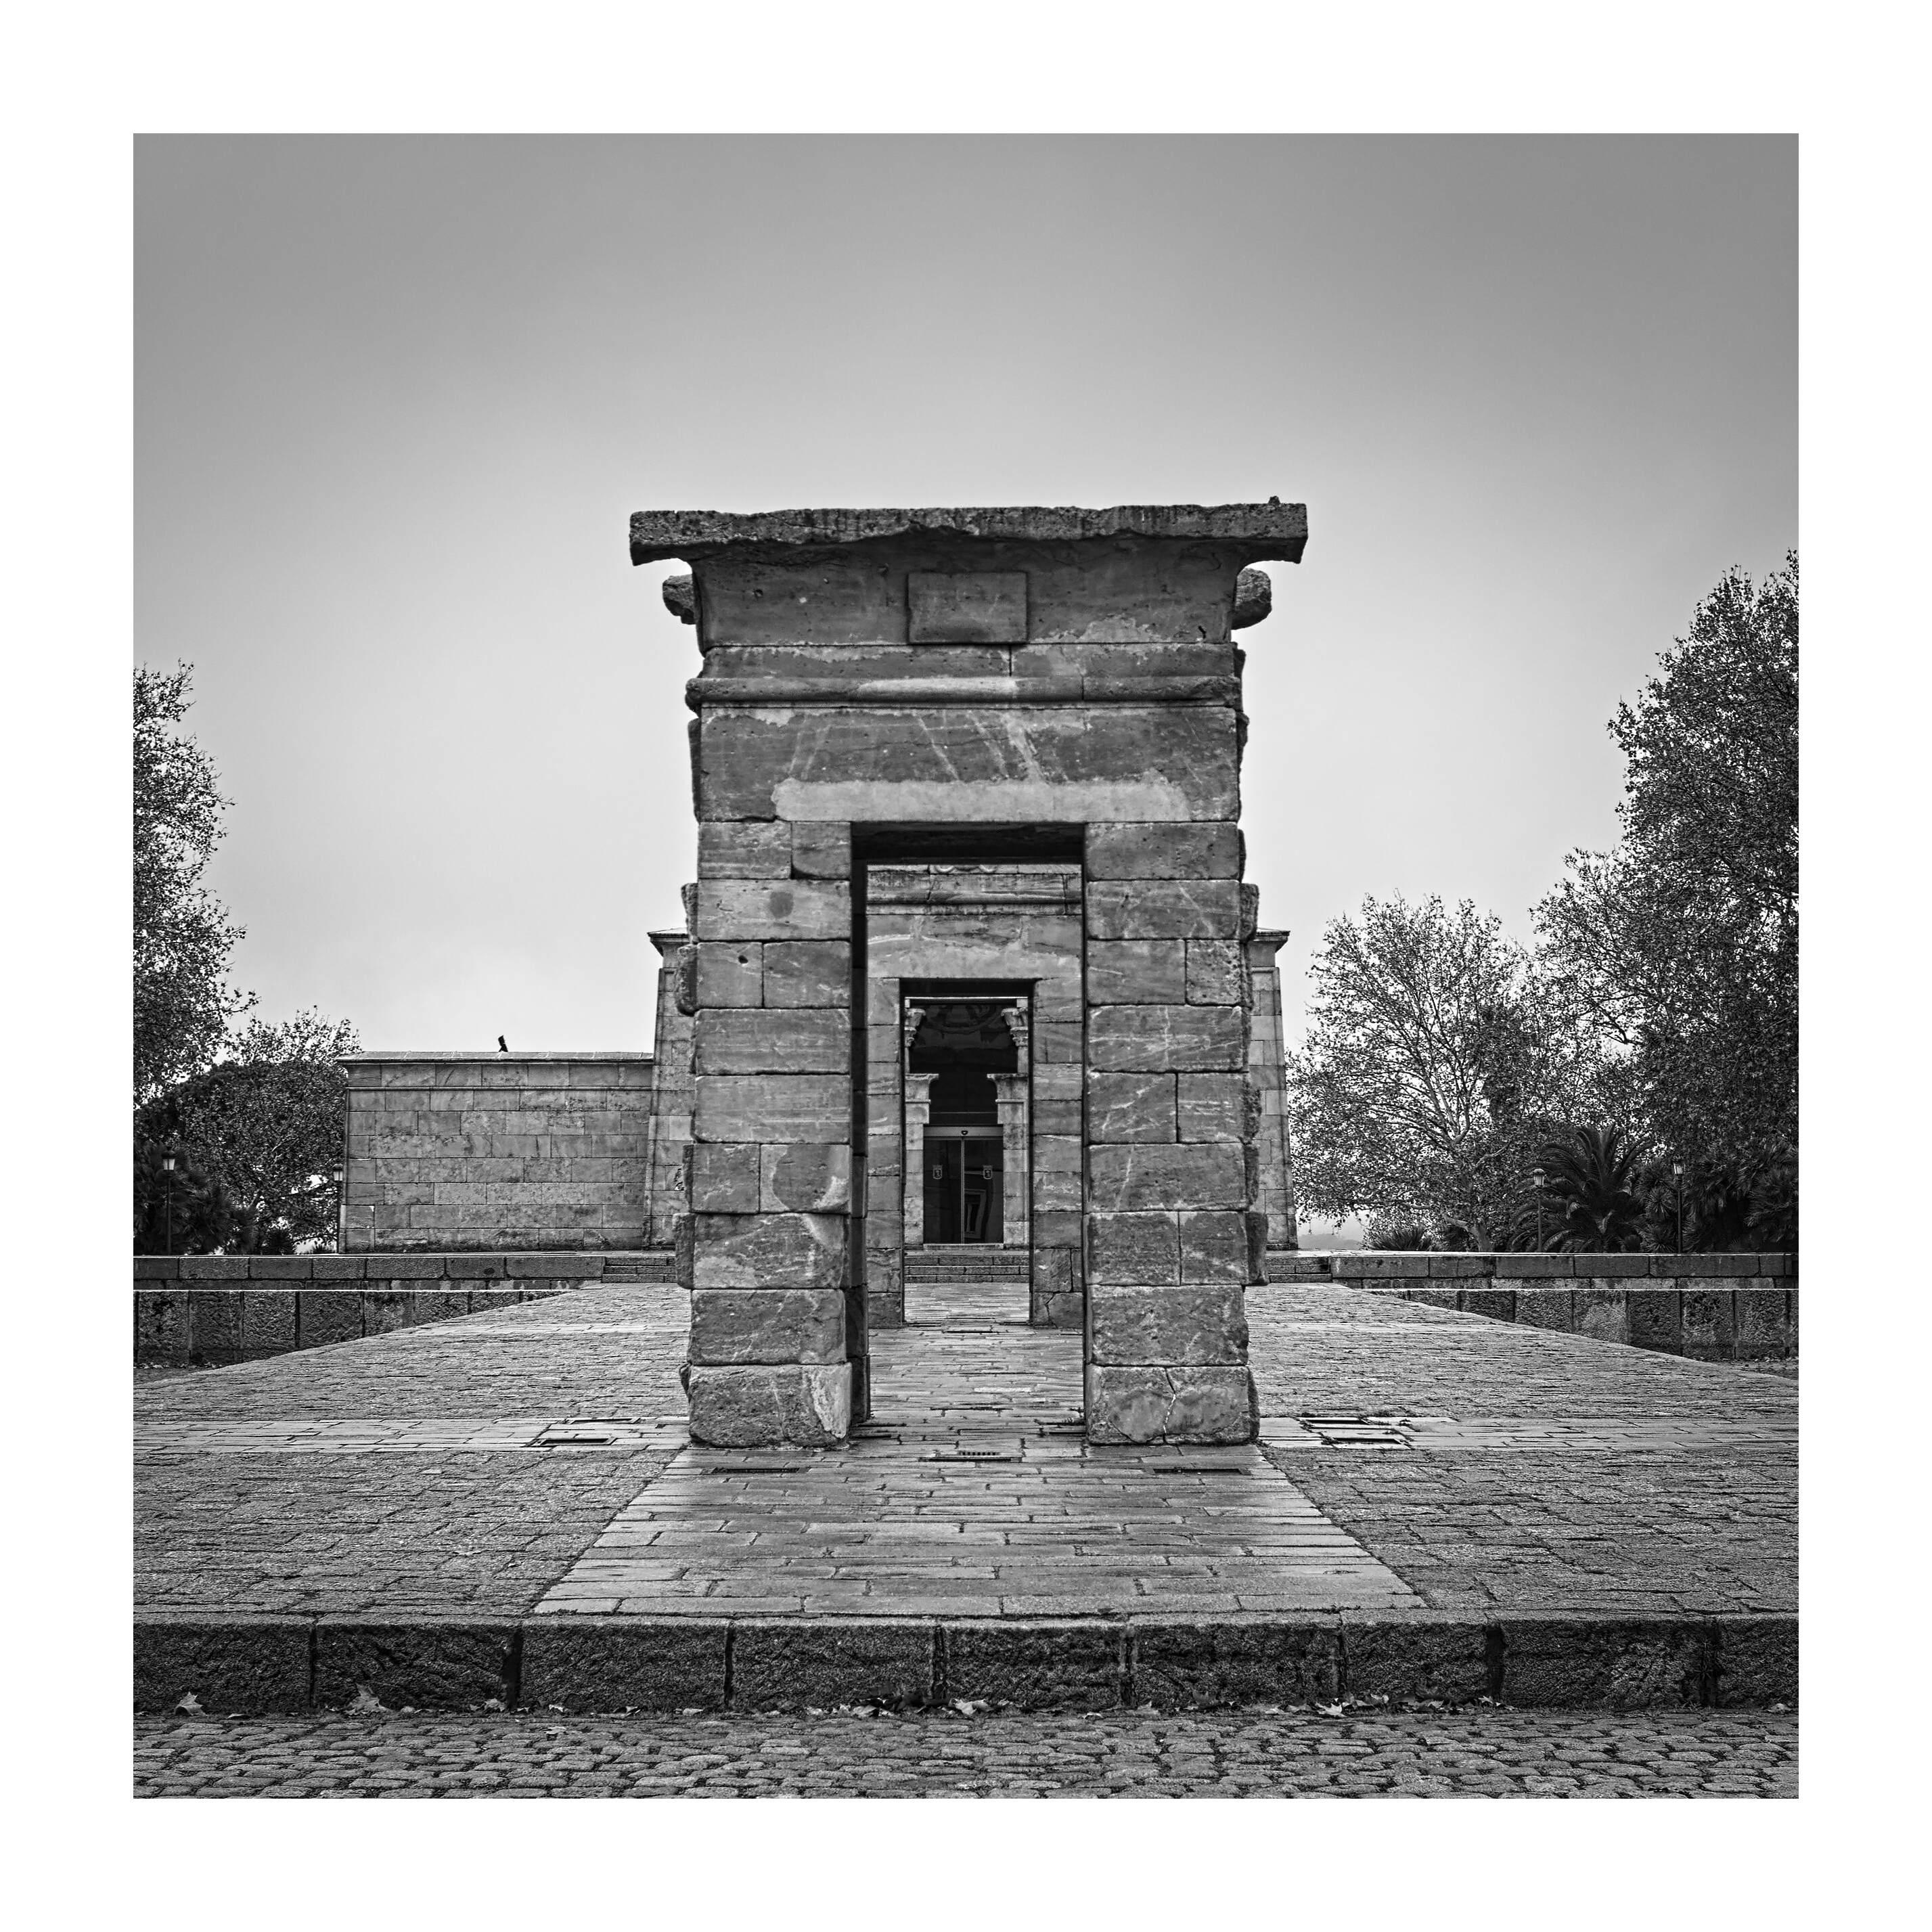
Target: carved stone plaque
[{"x": 979, "y": 606}]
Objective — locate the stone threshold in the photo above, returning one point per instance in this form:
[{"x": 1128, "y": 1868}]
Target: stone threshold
[{"x": 250, "y": 1666}]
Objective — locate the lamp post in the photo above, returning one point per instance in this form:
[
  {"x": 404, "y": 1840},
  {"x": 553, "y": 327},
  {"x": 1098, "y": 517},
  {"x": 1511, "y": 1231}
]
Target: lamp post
[
  {"x": 1677, "y": 1168},
  {"x": 1536, "y": 1175},
  {"x": 168, "y": 1169}
]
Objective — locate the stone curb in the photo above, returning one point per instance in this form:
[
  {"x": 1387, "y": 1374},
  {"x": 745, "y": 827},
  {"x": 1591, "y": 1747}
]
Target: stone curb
[{"x": 247, "y": 1667}]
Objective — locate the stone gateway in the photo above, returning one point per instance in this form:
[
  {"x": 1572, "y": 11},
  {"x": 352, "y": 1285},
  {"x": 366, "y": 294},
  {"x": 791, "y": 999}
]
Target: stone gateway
[{"x": 970, "y": 981}]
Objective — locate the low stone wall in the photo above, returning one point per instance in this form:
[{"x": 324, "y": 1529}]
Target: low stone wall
[
  {"x": 1714, "y": 1307},
  {"x": 937, "y": 1263},
  {"x": 211, "y": 1310}
]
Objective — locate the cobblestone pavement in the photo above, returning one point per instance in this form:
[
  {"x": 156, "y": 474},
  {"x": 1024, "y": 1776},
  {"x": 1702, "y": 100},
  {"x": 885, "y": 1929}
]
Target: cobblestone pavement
[
  {"x": 1483, "y": 1753},
  {"x": 1405, "y": 1448}
]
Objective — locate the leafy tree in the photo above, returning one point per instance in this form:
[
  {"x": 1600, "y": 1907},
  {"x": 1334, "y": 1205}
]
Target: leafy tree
[
  {"x": 265, "y": 1125},
  {"x": 1681, "y": 945},
  {"x": 1435, "y": 1061},
  {"x": 186, "y": 1212},
  {"x": 183, "y": 1004}
]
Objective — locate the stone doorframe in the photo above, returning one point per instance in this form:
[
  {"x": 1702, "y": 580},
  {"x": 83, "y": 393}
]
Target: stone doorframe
[
  {"x": 1013, "y": 1108},
  {"x": 1007, "y": 926}
]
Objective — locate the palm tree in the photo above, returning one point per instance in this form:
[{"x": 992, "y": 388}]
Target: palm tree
[{"x": 1590, "y": 1177}]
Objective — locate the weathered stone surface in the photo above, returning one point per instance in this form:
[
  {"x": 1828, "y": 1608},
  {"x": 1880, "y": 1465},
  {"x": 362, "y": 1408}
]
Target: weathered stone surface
[
  {"x": 581, "y": 1664},
  {"x": 1641, "y": 1664},
  {"x": 786, "y": 1040},
  {"x": 1163, "y": 909},
  {"x": 822, "y": 851},
  {"x": 1186, "y": 851},
  {"x": 1763, "y": 1323},
  {"x": 1061, "y": 1666},
  {"x": 784, "y": 1666},
  {"x": 809, "y": 973},
  {"x": 1160, "y": 1039},
  {"x": 1600, "y": 1310},
  {"x": 768, "y": 1250},
  {"x": 767, "y": 1324},
  {"x": 808, "y": 1177},
  {"x": 1254, "y": 598},
  {"x": 1656, "y": 1319},
  {"x": 1216, "y": 1107},
  {"x": 161, "y": 1327},
  {"x": 214, "y": 1319},
  {"x": 754, "y": 909},
  {"x": 773, "y": 1107},
  {"x": 723, "y": 1179},
  {"x": 1544, "y": 1305},
  {"x": 980, "y": 607},
  {"x": 729, "y": 973},
  {"x": 326, "y": 1314},
  {"x": 755, "y": 851},
  {"x": 1441, "y": 1659},
  {"x": 250, "y": 1666},
  {"x": 1136, "y": 972},
  {"x": 1141, "y": 1325},
  {"x": 1209, "y": 1175},
  {"x": 741, "y": 1407},
  {"x": 1020, "y": 764},
  {"x": 1134, "y": 1250},
  {"x": 1709, "y": 1330},
  {"x": 1217, "y": 973},
  {"x": 1181, "y": 1404},
  {"x": 1180, "y": 1666},
  {"x": 1130, "y": 1107},
  {"x": 433, "y": 1664},
  {"x": 1214, "y": 1247},
  {"x": 680, "y": 597}
]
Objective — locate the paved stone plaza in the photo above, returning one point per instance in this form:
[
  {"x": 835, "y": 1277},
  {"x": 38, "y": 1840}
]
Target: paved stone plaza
[{"x": 533, "y": 1463}]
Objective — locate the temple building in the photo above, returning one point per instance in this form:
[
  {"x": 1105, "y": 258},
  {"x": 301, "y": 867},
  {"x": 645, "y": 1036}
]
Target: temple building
[{"x": 970, "y": 986}]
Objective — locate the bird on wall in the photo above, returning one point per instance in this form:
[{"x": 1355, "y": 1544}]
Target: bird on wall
[{"x": 502, "y": 1045}]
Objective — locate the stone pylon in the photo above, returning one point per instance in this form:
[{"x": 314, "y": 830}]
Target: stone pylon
[{"x": 921, "y": 688}]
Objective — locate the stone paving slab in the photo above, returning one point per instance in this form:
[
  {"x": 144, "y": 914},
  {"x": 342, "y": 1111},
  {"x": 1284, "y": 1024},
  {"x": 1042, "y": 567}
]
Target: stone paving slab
[
  {"x": 1416, "y": 1464},
  {"x": 1011, "y": 1754}
]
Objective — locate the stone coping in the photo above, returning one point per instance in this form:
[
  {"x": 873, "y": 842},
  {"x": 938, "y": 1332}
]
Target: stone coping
[
  {"x": 454, "y": 1265},
  {"x": 1377, "y": 1264},
  {"x": 1270, "y": 530},
  {"x": 494, "y": 1057},
  {"x": 250, "y": 1666}
]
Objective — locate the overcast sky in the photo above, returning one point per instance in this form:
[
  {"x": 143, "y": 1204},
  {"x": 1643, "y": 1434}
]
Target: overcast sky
[{"x": 395, "y": 399}]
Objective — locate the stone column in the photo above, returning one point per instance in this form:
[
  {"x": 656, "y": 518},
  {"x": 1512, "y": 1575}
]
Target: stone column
[
  {"x": 1015, "y": 1135},
  {"x": 918, "y": 1112}
]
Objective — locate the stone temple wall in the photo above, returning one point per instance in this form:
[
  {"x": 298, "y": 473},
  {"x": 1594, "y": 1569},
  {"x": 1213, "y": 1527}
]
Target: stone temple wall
[{"x": 534, "y": 1151}]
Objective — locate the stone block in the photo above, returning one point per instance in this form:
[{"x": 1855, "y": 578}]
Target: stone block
[
  {"x": 1163, "y": 909},
  {"x": 1440, "y": 1659},
  {"x": 1595, "y": 1663},
  {"x": 384, "y": 1311},
  {"x": 430, "y": 1662},
  {"x": 232, "y": 1666},
  {"x": 972, "y": 607},
  {"x": 785, "y": 1041},
  {"x": 731, "y": 1325},
  {"x": 773, "y": 1107},
  {"x": 1709, "y": 1324},
  {"x": 1296, "y": 1266},
  {"x": 768, "y": 1250},
  {"x": 1136, "y": 972},
  {"x": 326, "y": 1314},
  {"x": 557, "y": 1265},
  {"x": 161, "y": 1333},
  {"x": 757, "y": 850},
  {"x": 730, "y": 973},
  {"x": 1134, "y": 1250},
  {"x": 267, "y": 1322},
  {"x": 1462, "y": 1268},
  {"x": 1497, "y": 1303},
  {"x": 1207, "y": 1666},
  {"x": 809, "y": 973},
  {"x": 805, "y": 1178},
  {"x": 1055, "y": 1190},
  {"x": 1763, "y": 1322},
  {"x": 1544, "y": 1305},
  {"x": 742, "y": 1407},
  {"x": 336, "y": 1267},
  {"x": 290, "y": 1267},
  {"x": 722, "y": 1179},
  {"x": 585, "y": 1664},
  {"x": 1216, "y": 1107},
  {"x": 233, "y": 1268},
  {"x": 1056, "y": 1227},
  {"x": 158, "y": 1267},
  {"x": 1165, "y": 1325},
  {"x": 779, "y": 1664},
  {"x": 1533, "y": 1266},
  {"x": 1216, "y": 1248},
  {"x": 823, "y": 851},
  {"x": 1056, "y": 1044},
  {"x": 1444, "y": 1297},
  {"x": 1656, "y": 1319},
  {"x": 1217, "y": 973},
  {"x": 1130, "y": 1106},
  {"x": 483, "y": 1300},
  {"x": 1039, "y": 1665},
  {"x": 757, "y": 909},
  {"x": 1182, "y": 851},
  {"x": 1756, "y": 1660},
  {"x": 1382, "y": 1265},
  {"x": 1164, "y": 1038},
  {"x": 1601, "y": 1310},
  {"x": 1138, "y": 1175},
  {"x": 1186, "y": 1403},
  {"x": 214, "y": 1324}
]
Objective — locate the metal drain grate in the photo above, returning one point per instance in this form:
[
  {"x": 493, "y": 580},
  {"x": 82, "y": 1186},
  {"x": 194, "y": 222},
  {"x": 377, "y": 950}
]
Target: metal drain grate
[
  {"x": 754, "y": 1468},
  {"x": 969, "y": 1456},
  {"x": 1200, "y": 1469},
  {"x": 621, "y": 1432},
  {"x": 1356, "y": 1431}
]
